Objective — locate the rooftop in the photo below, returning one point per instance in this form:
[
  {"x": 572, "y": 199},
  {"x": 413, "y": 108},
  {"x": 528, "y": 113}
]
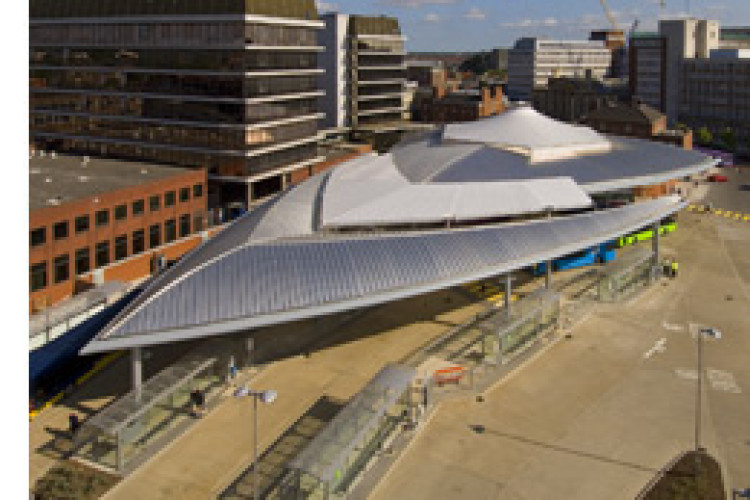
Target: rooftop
[
  {"x": 56, "y": 179},
  {"x": 298, "y": 9}
]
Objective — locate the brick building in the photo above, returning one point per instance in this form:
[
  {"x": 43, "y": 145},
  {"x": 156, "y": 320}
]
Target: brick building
[
  {"x": 461, "y": 105},
  {"x": 636, "y": 119},
  {"x": 96, "y": 220},
  {"x": 571, "y": 98}
]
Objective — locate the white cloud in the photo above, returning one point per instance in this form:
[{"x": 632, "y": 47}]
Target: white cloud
[
  {"x": 432, "y": 18},
  {"x": 418, "y": 3},
  {"x": 474, "y": 14},
  {"x": 326, "y": 6}
]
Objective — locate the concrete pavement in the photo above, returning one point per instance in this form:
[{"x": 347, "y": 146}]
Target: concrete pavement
[
  {"x": 598, "y": 414},
  {"x": 205, "y": 460}
]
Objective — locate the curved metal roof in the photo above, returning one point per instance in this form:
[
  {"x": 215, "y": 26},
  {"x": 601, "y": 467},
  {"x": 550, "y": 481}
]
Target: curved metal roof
[
  {"x": 330, "y": 244},
  {"x": 265, "y": 283}
]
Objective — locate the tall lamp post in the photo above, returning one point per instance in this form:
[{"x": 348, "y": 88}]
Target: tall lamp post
[
  {"x": 716, "y": 334},
  {"x": 267, "y": 397}
]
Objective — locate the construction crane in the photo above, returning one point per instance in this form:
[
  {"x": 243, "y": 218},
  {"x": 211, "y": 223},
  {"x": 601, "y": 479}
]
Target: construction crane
[{"x": 610, "y": 16}]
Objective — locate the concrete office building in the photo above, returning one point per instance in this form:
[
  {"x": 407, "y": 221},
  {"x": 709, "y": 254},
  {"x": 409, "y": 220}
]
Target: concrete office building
[
  {"x": 533, "y": 61},
  {"x": 696, "y": 73},
  {"x": 230, "y": 86},
  {"x": 647, "y": 68},
  {"x": 715, "y": 93},
  {"x": 364, "y": 73}
]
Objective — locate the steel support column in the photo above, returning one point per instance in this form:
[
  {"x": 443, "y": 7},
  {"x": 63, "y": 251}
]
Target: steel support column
[
  {"x": 136, "y": 364},
  {"x": 655, "y": 247},
  {"x": 508, "y": 291}
]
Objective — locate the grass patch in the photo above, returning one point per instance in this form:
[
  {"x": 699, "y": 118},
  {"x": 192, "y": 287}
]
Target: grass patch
[
  {"x": 72, "y": 481},
  {"x": 681, "y": 482}
]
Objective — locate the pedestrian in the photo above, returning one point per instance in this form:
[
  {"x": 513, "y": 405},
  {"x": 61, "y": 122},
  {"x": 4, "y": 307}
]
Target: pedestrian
[
  {"x": 232, "y": 369},
  {"x": 674, "y": 268},
  {"x": 74, "y": 423},
  {"x": 198, "y": 400}
]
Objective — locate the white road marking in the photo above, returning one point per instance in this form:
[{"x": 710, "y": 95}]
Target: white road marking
[
  {"x": 659, "y": 346},
  {"x": 721, "y": 380},
  {"x": 672, "y": 327},
  {"x": 686, "y": 373}
]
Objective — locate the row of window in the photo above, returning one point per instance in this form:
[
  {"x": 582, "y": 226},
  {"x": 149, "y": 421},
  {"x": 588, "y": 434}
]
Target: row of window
[
  {"x": 102, "y": 252},
  {"x": 82, "y": 223}
]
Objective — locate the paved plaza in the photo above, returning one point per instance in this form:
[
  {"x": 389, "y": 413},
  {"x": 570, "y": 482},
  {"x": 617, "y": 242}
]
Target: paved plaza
[{"x": 599, "y": 413}]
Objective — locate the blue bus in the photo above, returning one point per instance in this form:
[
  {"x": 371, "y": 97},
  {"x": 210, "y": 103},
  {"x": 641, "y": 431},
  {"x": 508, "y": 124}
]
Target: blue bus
[{"x": 595, "y": 255}]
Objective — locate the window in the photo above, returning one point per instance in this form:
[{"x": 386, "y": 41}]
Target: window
[
  {"x": 184, "y": 225},
  {"x": 61, "y": 230},
  {"x": 121, "y": 247},
  {"x": 102, "y": 253},
  {"x": 38, "y": 278},
  {"x": 82, "y": 223},
  {"x": 184, "y": 194},
  {"x": 102, "y": 218},
  {"x": 121, "y": 212},
  {"x": 83, "y": 260},
  {"x": 38, "y": 236},
  {"x": 197, "y": 190},
  {"x": 154, "y": 236},
  {"x": 138, "y": 207},
  {"x": 169, "y": 198},
  {"x": 154, "y": 203},
  {"x": 62, "y": 267},
  {"x": 170, "y": 231},
  {"x": 139, "y": 241}
]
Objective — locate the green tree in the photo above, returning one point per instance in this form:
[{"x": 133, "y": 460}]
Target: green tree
[
  {"x": 728, "y": 139},
  {"x": 705, "y": 137}
]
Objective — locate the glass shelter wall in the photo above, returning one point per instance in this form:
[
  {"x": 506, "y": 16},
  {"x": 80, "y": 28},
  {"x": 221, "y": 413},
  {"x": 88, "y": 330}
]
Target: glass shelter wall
[
  {"x": 333, "y": 460},
  {"x": 124, "y": 430}
]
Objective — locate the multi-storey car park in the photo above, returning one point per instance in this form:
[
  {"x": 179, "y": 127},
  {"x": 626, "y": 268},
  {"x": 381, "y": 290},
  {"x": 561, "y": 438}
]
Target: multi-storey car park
[{"x": 230, "y": 86}]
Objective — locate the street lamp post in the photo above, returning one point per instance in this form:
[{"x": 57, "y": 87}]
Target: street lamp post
[
  {"x": 267, "y": 397},
  {"x": 711, "y": 332}
]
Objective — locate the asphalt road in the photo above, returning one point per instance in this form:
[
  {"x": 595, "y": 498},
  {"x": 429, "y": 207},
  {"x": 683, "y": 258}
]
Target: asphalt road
[{"x": 733, "y": 195}]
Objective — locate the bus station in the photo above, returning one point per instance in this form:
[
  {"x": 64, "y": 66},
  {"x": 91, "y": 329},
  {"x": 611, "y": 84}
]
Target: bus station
[{"x": 481, "y": 201}]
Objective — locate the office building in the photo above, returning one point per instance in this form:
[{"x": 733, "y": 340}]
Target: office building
[
  {"x": 696, "y": 73},
  {"x": 533, "y": 61},
  {"x": 364, "y": 73},
  {"x": 229, "y": 86}
]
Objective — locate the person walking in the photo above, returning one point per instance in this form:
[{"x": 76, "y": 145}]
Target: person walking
[
  {"x": 674, "y": 268},
  {"x": 198, "y": 400}
]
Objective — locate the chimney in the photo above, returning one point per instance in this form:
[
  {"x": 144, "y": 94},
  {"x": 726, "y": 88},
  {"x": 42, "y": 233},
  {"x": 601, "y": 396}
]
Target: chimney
[{"x": 486, "y": 95}]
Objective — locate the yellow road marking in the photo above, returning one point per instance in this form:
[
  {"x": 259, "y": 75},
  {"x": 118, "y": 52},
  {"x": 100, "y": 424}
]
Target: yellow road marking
[{"x": 98, "y": 366}]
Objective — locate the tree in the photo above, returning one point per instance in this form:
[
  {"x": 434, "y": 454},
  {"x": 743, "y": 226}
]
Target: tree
[
  {"x": 728, "y": 139},
  {"x": 705, "y": 137}
]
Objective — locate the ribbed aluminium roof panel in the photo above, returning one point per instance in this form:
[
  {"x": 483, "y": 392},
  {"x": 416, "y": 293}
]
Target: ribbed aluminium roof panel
[
  {"x": 631, "y": 162},
  {"x": 268, "y": 283},
  {"x": 527, "y": 129},
  {"x": 435, "y": 203}
]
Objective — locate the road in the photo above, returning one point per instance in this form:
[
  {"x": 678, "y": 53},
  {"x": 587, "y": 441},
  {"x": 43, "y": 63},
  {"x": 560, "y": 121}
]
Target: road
[
  {"x": 733, "y": 195},
  {"x": 598, "y": 414}
]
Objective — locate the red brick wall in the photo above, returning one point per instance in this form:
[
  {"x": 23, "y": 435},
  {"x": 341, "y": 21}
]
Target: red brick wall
[{"x": 48, "y": 216}]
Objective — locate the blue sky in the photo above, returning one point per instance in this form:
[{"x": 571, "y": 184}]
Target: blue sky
[{"x": 448, "y": 25}]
